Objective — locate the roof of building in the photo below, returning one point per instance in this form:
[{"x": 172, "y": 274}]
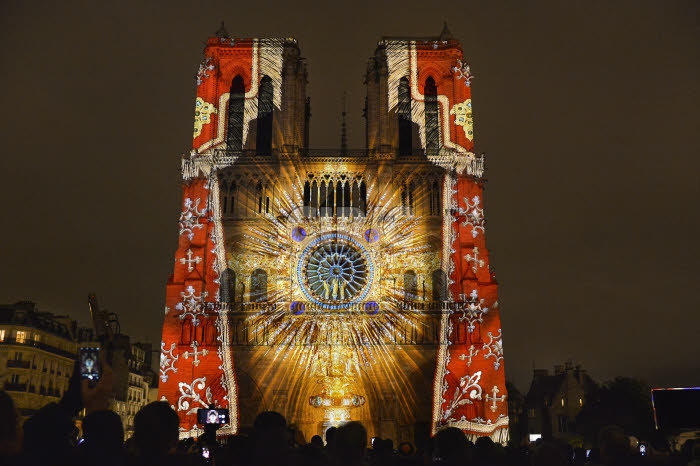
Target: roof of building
[{"x": 25, "y": 313}]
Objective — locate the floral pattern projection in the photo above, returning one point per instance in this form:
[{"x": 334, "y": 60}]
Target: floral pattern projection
[
  {"x": 469, "y": 387},
  {"x": 195, "y": 371}
]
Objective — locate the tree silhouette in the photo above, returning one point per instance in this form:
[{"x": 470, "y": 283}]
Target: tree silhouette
[{"x": 625, "y": 402}]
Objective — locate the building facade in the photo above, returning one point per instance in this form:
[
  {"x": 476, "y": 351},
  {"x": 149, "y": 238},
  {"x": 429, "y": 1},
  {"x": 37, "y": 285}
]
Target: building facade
[
  {"x": 37, "y": 354},
  {"x": 555, "y": 399},
  {"x": 334, "y": 285}
]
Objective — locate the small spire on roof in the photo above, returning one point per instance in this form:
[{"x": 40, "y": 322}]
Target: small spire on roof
[
  {"x": 343, "y": 131},
  {"x": 445, "y": 34},
  {"x": 222, "y": 32}
]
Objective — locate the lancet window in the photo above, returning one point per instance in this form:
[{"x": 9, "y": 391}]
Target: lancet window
[
  {"x": 258, "y": 286},
  {"x": 228, "y": 198},
  {"x": 432, "y": 125},
  {"x": 410, "y": 286},
  {"x": 434, "y": 198},
  {"x": 227, "y": 292},
  {"x": 263, "y": 141},
  {"x": 344, "y": 197},
  {"x": 439, "y": 285},
  {"x": 404, "y": 111},
  {"x": 236, "y": 106},
  {"x": 407, "y": 198}
]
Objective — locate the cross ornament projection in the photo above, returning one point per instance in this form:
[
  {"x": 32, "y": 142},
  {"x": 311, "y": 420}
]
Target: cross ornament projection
[
  {"x": 189, "y": 261},
  {"x": 195, "y": 353},
  {"x": 495, "y": 398}
]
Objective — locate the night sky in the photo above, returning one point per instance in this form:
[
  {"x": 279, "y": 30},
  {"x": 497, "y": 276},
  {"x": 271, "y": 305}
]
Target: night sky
[{"x": 587, "y": 111}]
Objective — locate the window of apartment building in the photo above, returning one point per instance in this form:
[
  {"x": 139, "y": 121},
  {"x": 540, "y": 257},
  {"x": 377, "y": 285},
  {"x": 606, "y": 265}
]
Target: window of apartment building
[
  {"x": 580, "y": 401},
  {"x": 562, "y": 402},
  {"x": 14, "y": 379},
  {"x": 37, "y": 337},
  {"x": 531, "y": 413},
  {"x": 2, "y": 335},
  {"x": 563, "y": 424},
  {"x": 21, "y": 336},
  {"x": 18, "y": 355}
]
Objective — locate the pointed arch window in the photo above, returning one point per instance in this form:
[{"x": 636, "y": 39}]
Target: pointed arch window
[
  {"x": 439, "y": 285},
  {"x": 314, "y": 195},
  {"x": 227, "y": 292},
  {"x": 434, "y": 191},
  {"x": 258, "y": 286},
  {"x": 236, "y": 106},
  {"x": 263, "y": 142},
  {"x": 404, "y": 111},
  {"x": 228, "y": 198},
  {"x": 410, "y": 286},
  {"x": 363, "y": 198},
  {"x": 307, "y": 194},
  {"x": 432, "y": 125},
  {"x": 342, "y": 198},
  {"x": 407, "y": 198}
]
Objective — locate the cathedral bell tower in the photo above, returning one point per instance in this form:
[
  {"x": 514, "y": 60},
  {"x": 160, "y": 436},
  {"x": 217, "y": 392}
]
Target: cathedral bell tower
[
  {"x": 334, "y": 285},
  {"x": 419, "y": 112},
  {"x": 251, "y": 104}
]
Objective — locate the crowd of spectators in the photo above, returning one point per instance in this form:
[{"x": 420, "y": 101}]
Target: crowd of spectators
[{"x": 48, "y": 438}]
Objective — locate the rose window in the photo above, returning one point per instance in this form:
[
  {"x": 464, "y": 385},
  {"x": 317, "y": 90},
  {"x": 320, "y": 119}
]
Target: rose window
[{"x": 334, "y": 271}]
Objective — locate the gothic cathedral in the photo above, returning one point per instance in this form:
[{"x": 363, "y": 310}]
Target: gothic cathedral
[{"x": 334, "y": 285}]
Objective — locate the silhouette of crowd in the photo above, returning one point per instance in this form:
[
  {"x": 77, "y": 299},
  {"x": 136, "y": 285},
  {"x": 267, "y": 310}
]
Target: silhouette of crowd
[{"x": 49, "y": 438}]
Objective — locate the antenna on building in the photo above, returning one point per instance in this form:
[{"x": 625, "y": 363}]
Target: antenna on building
[{"x": 344, "y": 131}]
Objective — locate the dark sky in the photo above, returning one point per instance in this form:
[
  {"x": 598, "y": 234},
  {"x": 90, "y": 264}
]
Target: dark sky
[{"x": 588, "y": 113}]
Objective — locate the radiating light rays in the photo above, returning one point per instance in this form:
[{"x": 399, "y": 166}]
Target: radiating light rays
[{"x": 338, "y": 354}]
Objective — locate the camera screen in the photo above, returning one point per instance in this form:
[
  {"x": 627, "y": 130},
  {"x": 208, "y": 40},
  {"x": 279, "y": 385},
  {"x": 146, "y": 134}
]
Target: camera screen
[
  {"x": 90, "y": 363},
  {"x": 212, "y": 416}
]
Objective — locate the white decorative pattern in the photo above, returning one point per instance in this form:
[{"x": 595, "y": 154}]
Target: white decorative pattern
[
  {"x": 494, "y": 348},
  {"x": 468, "y": 357},
  {"x": 478, "y": 263},
  {"x": 495, "y": 398},
  {"x": 228, "y": 379},
  {"x": 189, "y": 396},
  {"x": 189, "y": 261},
  {"x": 195, "y": 354},
  {"x": 167, "y": 361},
  {"x": 472, "y": 312},
  {"x": 191, "y": 305},
  {"x": 468, "y": 385},
  {"x": 204, "y": 68},
  {"x": 189, "y": 218},
  {"x": 463, "y": 72},
  {"x": 473, "y": 215}
]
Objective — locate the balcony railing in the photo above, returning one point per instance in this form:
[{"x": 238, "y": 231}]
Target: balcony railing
[
  {"x": 18, "y": 363},
  {"x": 424, "y": 330},
  {"x": 15, "y": 387},
  {"x": 464, "y": 162}
]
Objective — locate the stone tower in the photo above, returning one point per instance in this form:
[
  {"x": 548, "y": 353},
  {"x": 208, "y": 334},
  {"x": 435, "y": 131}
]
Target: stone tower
[{"x": 334, "y": 285}]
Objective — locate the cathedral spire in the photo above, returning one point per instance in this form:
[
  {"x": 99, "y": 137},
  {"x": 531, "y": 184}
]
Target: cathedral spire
[
  {"x": 222, "y": 33},
  {"x": 445, "y": 34},
  {"x": 343, "y": 131}
]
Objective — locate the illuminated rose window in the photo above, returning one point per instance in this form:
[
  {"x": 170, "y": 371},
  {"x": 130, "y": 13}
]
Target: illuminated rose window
[{"x": 335, "y": 270}]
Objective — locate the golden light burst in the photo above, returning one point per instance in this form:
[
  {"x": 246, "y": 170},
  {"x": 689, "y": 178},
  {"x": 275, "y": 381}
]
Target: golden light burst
[{"x": 333, "y": 348}]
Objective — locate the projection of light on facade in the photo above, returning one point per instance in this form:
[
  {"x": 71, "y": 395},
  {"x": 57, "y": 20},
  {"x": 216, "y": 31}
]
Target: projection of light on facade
[{"x": 331, "y": 285}]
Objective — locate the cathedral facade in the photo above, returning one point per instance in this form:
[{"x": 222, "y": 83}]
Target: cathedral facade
[{"x": 334, "y": 285}]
